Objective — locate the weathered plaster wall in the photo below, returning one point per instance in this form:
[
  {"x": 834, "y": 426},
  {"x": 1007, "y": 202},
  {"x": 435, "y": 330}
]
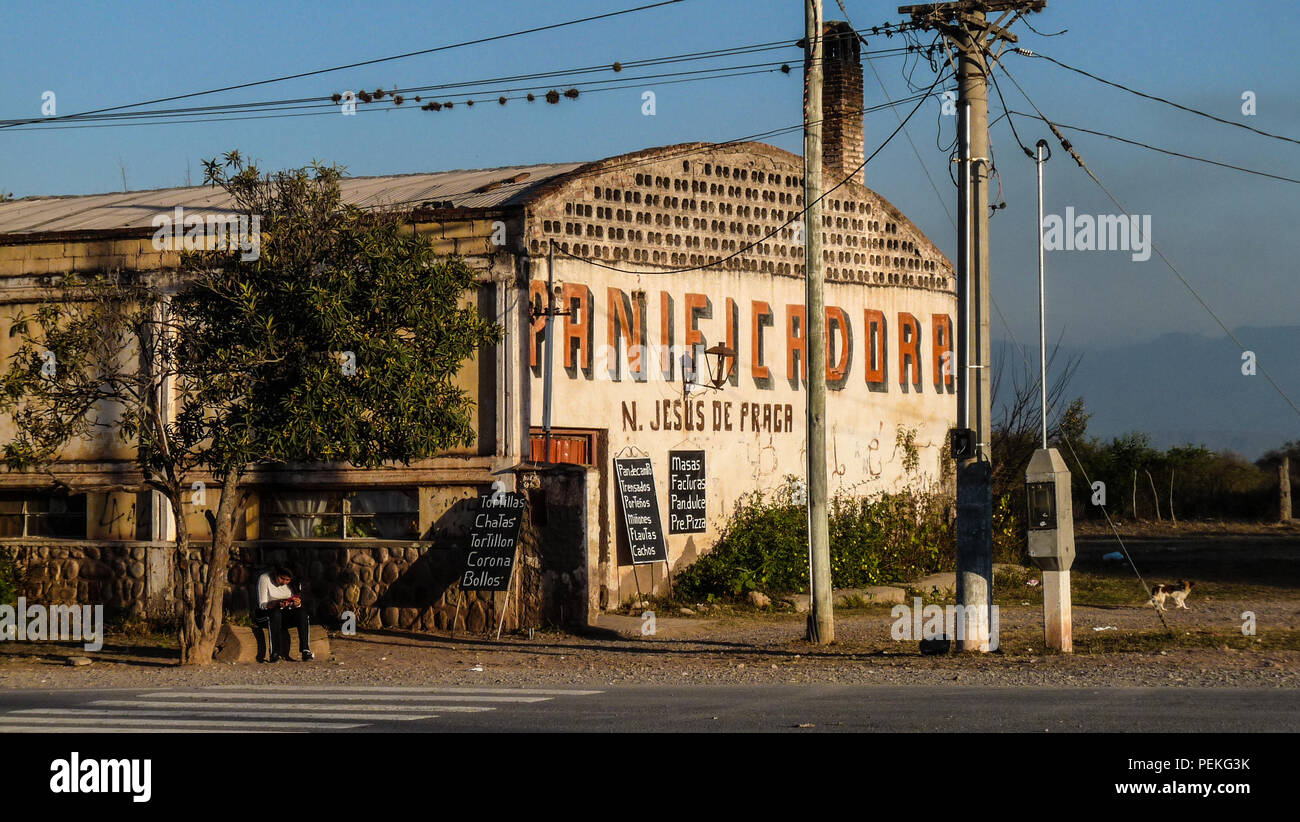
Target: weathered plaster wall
[{"x": 618, "y": 350}]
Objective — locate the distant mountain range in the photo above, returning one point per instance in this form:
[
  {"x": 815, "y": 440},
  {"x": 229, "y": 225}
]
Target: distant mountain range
[{"x": 1184, "y": 388}]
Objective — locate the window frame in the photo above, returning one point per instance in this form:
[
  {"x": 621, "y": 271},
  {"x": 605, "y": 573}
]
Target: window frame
[
  {"x": 27, "y": 517},
  {"x": 344, "y": 516}
]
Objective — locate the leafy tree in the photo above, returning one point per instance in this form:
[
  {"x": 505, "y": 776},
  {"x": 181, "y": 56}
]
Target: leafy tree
[
  {"x": 1127, "y": 455},
  {"x": 1273, "y": 457},
  {"x": 339, "y": 342}
]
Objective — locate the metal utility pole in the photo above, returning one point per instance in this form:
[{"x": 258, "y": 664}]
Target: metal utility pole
[
  {"x": 972, "y": 35},
  {"x": 1050, "y": 535},
  {"x": 549, "y": 352},
  {"x": 1039, "y": 159},
  {"x": 821, "y": 618}
]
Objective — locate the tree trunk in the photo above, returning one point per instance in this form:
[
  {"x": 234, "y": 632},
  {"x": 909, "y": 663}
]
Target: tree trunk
[
  {"x": 1154, "y": 497},
  {"x": 188, "y": 629},
  {"x": 1135, "y": 493},
  {"x": 202, "y": 624},
  {"x": 1172, "y": 516}
]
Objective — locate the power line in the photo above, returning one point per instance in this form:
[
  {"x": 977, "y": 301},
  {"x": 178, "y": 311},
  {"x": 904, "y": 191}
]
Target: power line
[
  {"x": 118, "y": 111},
  {"x": 1030, "y": 26},
  {"x": 1170, "y": 152},
  {"x": 993, "y": 75},
  {"x": 707, "y": 148},
  {"x": 996, "y": 307},
  {"x": 906, "y": 133},
  {"x": 921, "y": 162},
  {"x": 1190, "y": 288},
  {"x": 992, "y": 62},
  {"x": 1083, "y": 471},
  {"x": 461, "y": 84},
  {"x": 1121, "y": 86},
  {"x": 797, "y": 215},
  {"x": 375, "y": 61},
  {"x": 601, "y": 169},
  {"x": 325, "y": 106},
  {"x": 217, "y": 113},
  {"x": 331, "y": 108}
]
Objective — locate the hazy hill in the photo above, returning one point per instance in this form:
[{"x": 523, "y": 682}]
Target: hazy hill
[{"x": 1183, "y": 388}]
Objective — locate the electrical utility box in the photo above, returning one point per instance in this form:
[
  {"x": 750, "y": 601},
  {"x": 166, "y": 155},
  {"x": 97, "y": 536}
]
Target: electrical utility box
[
  {"x": 961, "y": 444},
  {"x": 1051, "y": 514}
]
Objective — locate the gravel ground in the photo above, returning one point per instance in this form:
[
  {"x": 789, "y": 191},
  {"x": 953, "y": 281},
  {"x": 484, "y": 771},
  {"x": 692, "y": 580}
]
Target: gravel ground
[
  {"x": 1238, "y": 568},
  {"x": 747, "y": 648}
]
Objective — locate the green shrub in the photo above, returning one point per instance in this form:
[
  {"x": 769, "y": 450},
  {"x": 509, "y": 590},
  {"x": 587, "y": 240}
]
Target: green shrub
[
  {"x": 10, "y": 577},
  {"x": 1010, "y": 543},
  {"x": 885, "y": 537}
]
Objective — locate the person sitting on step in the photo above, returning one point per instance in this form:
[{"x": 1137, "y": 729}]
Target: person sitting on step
[{"x": 282, "y": 608}]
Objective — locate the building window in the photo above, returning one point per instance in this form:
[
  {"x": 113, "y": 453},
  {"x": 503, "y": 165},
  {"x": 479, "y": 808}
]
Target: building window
[
  {"x": 389, "y": 513},
  {"x": 43, "y": 515},
  {"x": 568, "y": 445}
]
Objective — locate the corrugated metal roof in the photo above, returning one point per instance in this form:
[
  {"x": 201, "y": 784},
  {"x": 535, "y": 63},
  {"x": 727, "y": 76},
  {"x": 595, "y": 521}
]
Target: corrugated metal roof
[{"x": 471, "y": 188}]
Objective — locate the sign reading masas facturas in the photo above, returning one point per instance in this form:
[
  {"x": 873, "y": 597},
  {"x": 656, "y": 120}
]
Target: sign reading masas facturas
[
  {"x": 492, "y": 542},
  {"x": 640, "y": 504},
  {"x": 686, "y": 492}
]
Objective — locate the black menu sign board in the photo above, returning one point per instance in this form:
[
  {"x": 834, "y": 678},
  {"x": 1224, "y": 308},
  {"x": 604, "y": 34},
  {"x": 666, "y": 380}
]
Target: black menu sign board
[
  {"x": 640, "y": 505},
  {"x": 492, "y": 542},
  {"x": 686, "y": 492}
]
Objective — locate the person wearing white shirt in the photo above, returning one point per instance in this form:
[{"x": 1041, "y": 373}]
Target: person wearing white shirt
[{"x": 283, "y": 608}]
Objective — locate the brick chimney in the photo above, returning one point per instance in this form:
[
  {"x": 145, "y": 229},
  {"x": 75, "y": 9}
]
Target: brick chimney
[{"x": 842, "y": 136}]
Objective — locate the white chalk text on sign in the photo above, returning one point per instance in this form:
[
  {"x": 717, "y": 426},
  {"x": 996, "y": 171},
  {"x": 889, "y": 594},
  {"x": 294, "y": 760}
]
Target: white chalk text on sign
[
  {"x": 640, "y": 506},
  {"x": 493, "y": 538},
  {"x": 686, "y": 492}
]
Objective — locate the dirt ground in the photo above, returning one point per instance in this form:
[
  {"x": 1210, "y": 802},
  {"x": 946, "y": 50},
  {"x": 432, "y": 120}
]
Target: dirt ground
[{"x": 1118, "y": 640}]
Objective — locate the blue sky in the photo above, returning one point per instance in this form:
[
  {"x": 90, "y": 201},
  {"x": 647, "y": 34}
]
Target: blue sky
[{"x": 1231, "y": 234}]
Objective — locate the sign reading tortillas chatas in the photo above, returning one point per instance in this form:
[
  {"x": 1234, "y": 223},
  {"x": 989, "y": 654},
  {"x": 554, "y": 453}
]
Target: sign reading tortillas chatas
[{"x": 492, "y": 542}]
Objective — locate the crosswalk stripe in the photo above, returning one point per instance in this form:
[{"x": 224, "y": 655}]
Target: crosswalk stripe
[
  {"x": 404, "y": 690},
  {"x": 80, "y": 729},
  {"x": 347, "y": 697},
  {"x": 59, "y": 720},
  {"x": 186, "y": 711},
  {"x": 269, "y": 708},
  {"x": 290, "y": 706}
]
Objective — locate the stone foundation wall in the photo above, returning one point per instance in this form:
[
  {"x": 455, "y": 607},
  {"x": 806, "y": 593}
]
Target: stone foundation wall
[
  {"x": 398, "y": 585},
  {"x": 407, "y": 586},
  {"x": 111, "y": 574}
]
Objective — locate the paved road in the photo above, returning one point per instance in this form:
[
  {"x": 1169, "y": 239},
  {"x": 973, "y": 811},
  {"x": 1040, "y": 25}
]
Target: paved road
[{"x": 797, "y": 708}]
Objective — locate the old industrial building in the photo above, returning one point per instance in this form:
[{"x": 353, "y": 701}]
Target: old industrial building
[{"x": 654, "y": 255}]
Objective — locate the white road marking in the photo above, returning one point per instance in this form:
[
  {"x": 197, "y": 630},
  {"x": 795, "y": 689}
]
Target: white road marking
[
  {"x": 257, "y": 716},
  {"x": 76, "y": 729},
  {"x": 60, "y": 720},
  {"x": 271, "y": 707},
  {"x": 341, "y": 697},
  {"x": 403, "y": 690}
]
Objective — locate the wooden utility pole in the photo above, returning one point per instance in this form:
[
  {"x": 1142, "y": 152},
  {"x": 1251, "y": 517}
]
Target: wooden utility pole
[
  {"x": 972, "y": 36},
  {"x": 1284, "y": 489},
  {"x": 821, "y": 619}
]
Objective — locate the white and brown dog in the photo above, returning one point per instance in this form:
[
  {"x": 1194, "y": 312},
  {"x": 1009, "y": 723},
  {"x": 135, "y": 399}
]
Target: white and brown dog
[{"x": 1177, "y": 592}]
